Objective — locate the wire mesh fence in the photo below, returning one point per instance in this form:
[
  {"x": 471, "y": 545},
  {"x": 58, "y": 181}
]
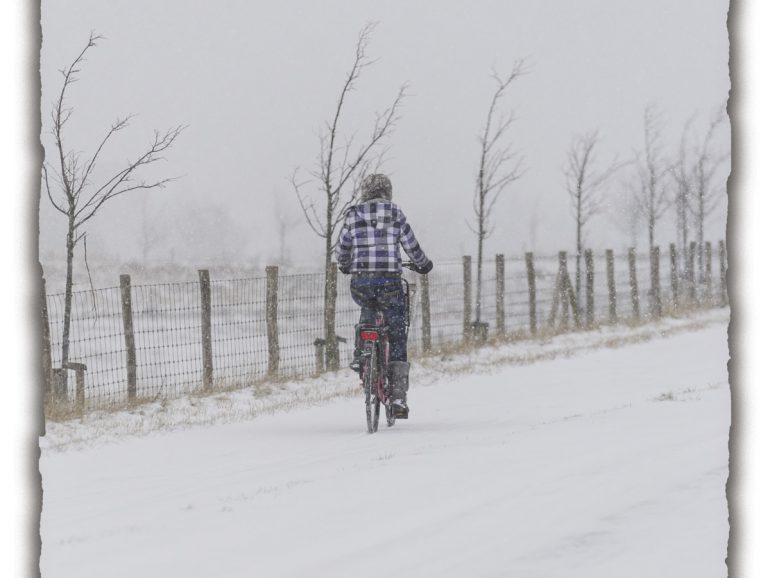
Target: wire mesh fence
[{"x": 171, "y": 322}]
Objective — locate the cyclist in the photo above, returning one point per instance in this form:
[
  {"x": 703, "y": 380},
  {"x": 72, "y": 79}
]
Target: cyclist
[{"x": 368, "y": 250}]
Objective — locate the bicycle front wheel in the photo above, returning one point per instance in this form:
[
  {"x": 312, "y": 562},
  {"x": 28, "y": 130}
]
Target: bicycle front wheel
[{"x": 371, "y": 375}]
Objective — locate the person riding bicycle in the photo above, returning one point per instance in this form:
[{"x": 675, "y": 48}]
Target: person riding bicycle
[{"x": 368, "y": 250}]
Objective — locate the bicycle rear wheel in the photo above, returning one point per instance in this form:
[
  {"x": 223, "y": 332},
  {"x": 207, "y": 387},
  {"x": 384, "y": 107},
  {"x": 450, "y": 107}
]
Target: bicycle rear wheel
[{"x": 371, "y": 376}]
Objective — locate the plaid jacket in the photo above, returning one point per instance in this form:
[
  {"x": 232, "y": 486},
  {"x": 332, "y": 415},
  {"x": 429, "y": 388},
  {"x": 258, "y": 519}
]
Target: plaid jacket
[{"x": 370, "y": 237}]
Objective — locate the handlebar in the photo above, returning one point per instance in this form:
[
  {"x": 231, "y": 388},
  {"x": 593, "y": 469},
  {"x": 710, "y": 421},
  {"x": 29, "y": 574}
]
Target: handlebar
[{"x": 405, "y": 264}]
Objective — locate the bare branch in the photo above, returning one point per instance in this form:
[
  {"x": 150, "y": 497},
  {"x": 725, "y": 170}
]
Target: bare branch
[
  {"x": 308, "y": 210},
  {"x": 61, "y": 114},
  {"x": 493, "y": 160},
  {"x": 118, "y": 125},
  {"x": 48, "y": 190},
  {"x": 114, "y": 193},
  {"x": 359, "y": 62},
  {"x": 384, "y": 124},
  {"x": 110, "y": 188}
]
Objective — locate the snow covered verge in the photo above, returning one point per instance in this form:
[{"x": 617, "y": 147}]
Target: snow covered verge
[
  {"x": 597, "y": 455},
  {"x": 99, "y": 427}
]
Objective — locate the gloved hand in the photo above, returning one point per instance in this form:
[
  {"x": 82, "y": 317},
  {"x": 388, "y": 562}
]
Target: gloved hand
[
  {"x": 345, "y": 269},
  {"x": 424, "y": 270}
]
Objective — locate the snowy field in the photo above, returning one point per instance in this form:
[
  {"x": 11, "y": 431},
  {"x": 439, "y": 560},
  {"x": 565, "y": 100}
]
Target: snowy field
[{"x": 599, "y": 454}]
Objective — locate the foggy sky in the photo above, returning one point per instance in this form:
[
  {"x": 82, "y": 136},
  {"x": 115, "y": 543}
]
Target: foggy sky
[{"x": 256, "y": 82}]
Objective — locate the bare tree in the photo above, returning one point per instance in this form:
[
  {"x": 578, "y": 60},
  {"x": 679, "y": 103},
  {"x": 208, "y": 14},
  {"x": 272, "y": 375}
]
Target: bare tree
[
  {"x": 650, "y": 190},
  {"x": 499, "y": 166},
  {"x": 585, "y": 183},
  {"x": 707, "y": 194},
  {"x": 340, "y": 166},
  {"x": 69, "y": 180},
  {"x": 683, "y": 194}
]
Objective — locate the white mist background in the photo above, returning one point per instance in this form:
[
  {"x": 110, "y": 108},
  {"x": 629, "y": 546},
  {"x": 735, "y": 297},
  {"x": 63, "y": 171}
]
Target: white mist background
[{"x": 256, "y": 82}]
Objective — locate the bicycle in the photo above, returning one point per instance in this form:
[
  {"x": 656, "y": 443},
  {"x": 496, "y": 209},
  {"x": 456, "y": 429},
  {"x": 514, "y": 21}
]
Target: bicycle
[{"x": 375, "y": 355}]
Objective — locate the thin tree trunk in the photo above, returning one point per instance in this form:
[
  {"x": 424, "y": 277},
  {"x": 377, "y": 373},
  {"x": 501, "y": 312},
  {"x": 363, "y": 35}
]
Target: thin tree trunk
[
  {"x": 330, "y": 301},
  {"x": 482, "y": 195},
  {"x": 701, "y": 218},
  {"x": 578, "y": 272},
  {"x": 478, "y": 269},
  {"x": 651, "y": 234},
  {"x": 65, "y": 347},
  {"x": 685, "y": 231},
  {"x": 685, "y": 241}
]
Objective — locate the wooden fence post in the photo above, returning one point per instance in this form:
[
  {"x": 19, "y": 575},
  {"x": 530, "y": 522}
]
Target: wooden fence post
[
  {"x": 425, "y": 302},
  {"x": 572, "y": 298},
  {"x": 46, "y": 331},
  {"x": 634, "y": 283},
  {"x": 655, "y": 280},
  {"x": 723, "y": 272},
  {"x": 330, "y": 316},
  {"x": 467, "y": 298},
  {"x": 128, "y": 332},
  {"x": 320, "y": 347},
  {"x": 530, "y": 259},
  {"x": 271, "y": 318},
  {"x": 691, "y": 273},
  {"x": 208, "y": 356},
  {"x": 674, "y": 276},
  {"x": 500, "y": 293},
  {"x": 566, "y": 293},
  {"x": 707, "y": 280},
  {"x": 589, "y": 257},
  {"x": 80, "y": 383},
  {"x": 561, "y": 289},
  {"x": 612, "y": 295}
]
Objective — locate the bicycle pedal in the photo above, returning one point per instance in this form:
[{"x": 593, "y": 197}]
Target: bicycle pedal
[{"x": 400, "y": 411}]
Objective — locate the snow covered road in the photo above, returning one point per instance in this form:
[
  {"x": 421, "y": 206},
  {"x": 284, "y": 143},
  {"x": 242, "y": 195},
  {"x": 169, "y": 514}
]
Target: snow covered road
[{"x": 608, "y": 463}]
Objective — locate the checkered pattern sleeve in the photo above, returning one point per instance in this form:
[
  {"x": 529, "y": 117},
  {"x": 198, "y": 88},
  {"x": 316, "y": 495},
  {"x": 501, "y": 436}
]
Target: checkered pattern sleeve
[
  {"x": 409, "y": 242},
  {"x": 345, "y": 243}
]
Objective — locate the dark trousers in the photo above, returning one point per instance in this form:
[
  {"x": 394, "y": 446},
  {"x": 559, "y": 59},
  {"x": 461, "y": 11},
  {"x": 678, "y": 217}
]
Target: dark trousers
[{"x": 387, "y": 295}]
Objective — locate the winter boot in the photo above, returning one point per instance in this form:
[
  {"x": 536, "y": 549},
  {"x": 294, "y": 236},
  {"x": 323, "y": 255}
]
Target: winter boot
[
  {"x": 355, "y": 364},
  {"x": 399, "y": 382}
]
